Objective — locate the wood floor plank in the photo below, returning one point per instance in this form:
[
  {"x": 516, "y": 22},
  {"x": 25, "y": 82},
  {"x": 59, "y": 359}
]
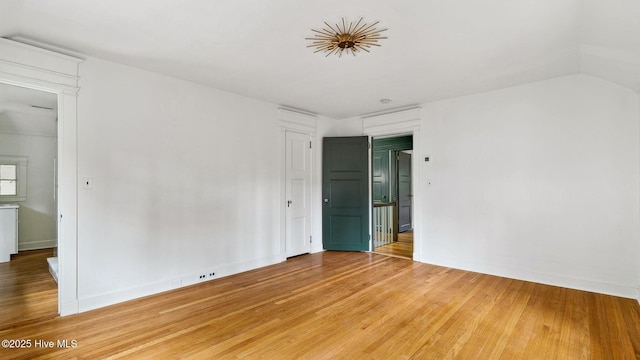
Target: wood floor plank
[
  {"x": 454, "y": 335},
  {"x": 575, "y": 327},
  {"x": 343, "y": 305},
  {"x": 28, "y": 293},
  {"x": 618, "y": 335},
  {"x": 631, "y": 316}
]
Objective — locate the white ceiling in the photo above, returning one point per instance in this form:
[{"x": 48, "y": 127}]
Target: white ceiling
[
  {"x": 435, "y": 49},
  {"x": 26, "y": 111}
]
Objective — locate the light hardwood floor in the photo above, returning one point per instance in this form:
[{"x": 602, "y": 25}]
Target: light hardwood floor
[
  {"x": 342, "y": 305},
  {"x": 28, "y": 292},
  {"x": 402, "y": 248}
]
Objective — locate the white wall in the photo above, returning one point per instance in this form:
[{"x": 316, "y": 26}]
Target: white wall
[
  {"x": 36, "y": 229},
  {"x": 537, "y": 182},
  {"x": 186, "y": 181},
  {"x": 349, "y": 127}
]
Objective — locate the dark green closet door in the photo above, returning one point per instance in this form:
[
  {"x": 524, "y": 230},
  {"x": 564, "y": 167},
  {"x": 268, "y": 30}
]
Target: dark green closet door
[
  {"x": 404, "y": 192},
  {"x": 345, "y": 191},
  {"x": 380, "y": 167}
]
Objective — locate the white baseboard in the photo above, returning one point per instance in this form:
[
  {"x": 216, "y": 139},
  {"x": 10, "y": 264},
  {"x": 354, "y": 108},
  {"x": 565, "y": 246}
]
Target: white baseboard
[
  {"x": 620, "y": 290},
  {"x": 36, "y": 245},
  {"x": 53, "y": 267},
  {"x": 111, "y": 298}
]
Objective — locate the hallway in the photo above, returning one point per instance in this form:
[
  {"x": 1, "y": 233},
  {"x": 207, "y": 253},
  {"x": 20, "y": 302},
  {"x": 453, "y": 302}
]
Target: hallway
[{"x": 401, "y": 248}]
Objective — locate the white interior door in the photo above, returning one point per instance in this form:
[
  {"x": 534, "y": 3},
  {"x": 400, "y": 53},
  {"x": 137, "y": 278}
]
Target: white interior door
[{"x": 298, "y": 193}]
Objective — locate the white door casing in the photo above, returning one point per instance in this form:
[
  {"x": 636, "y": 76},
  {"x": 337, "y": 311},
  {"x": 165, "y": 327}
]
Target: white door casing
[
  {"x": 50, "y": 71},
  {"x": 402, "y": 122},
  {"x": 301, "y": 123}
]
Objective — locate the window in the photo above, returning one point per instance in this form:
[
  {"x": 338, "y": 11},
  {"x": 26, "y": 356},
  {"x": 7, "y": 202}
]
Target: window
[
  {"x": 8, "y": 180},
  {"x": 13, "y": 178}
]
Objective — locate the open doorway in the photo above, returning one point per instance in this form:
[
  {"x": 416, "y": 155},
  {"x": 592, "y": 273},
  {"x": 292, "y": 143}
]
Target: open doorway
[
  {"x": 392, "y": 196},
  {"x": 28, "y": 187},
  {"x": 52, "y": 72}
]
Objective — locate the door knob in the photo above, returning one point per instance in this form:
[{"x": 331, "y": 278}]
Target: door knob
[{"x": 326, "y": 200}]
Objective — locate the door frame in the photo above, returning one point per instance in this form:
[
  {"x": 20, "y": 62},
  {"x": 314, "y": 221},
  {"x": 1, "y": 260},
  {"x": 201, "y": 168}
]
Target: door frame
[
  {"x": 293, "y": 120},
  {"x": 39, "y": 69},
  {"x": 393, "y": 124}
]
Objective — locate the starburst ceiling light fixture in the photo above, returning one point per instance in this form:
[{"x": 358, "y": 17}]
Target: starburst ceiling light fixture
[{"x": 344, "y": 39}]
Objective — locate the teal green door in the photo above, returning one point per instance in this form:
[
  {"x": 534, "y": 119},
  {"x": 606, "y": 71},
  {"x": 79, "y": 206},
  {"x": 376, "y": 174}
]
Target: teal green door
[
  {"x": 380, "y": 168},
  {"x": 345, "y": 191},
  {"x": 404, "y": 192}
]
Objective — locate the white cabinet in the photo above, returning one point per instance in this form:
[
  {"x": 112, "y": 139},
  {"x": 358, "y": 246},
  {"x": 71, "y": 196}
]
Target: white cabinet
[{"x": 8, "y": 231}]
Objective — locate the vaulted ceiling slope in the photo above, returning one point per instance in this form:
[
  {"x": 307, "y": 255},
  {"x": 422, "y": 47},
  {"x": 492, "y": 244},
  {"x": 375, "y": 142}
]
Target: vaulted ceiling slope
[{"x": 435, "y": 49}]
